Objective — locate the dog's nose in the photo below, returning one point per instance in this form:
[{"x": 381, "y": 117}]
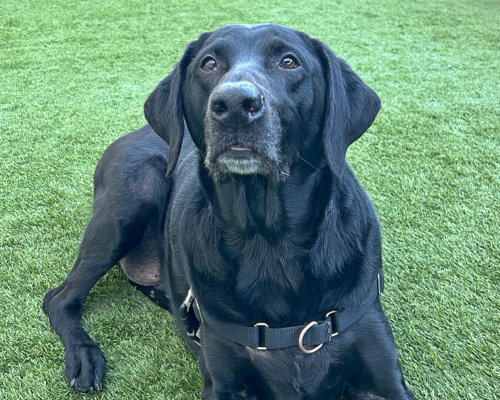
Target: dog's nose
[{"x": 236, "y": 103}]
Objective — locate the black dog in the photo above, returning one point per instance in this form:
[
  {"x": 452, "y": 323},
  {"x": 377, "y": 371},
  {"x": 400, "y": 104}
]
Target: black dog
[{"x": 247, "y": 224}]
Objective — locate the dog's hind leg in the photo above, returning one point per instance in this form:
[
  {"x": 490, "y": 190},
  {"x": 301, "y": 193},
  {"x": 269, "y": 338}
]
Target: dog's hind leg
[{"x": 128, "y": 201}]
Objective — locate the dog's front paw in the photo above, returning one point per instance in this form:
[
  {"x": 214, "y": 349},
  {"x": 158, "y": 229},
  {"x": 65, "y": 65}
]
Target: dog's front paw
[{"x": 84, "y": 367}]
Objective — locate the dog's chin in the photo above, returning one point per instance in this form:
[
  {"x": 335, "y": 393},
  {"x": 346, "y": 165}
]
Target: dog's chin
[
  {"x": 244, "y": 163},
  {"x": 240, "y": 165}
]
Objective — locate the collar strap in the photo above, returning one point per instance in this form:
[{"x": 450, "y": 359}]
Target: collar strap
[{"x": 315, "y": 334}]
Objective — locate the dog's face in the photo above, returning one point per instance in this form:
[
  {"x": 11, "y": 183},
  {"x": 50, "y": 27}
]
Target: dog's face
[
  {"x": 256, "y": 98},
  {"x": 256, "y": 93}
]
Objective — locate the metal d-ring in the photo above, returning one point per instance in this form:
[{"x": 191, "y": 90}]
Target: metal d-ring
[{"x": 301, "y": 339}]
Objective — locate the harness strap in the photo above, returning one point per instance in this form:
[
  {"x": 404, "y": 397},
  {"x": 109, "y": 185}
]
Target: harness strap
[{"x": 316, "y": 333}]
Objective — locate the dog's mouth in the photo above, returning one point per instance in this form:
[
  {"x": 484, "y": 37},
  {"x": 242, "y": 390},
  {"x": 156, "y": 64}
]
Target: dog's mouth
[
  {"x": 252, "y": 149},
  {"x": 240, "y": 147},
  {"x": 238, "y": 150},
  {"x": 243, "y": 159}
]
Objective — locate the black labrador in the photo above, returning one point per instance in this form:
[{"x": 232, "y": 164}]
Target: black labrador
[{"x": 246, "y": 223}]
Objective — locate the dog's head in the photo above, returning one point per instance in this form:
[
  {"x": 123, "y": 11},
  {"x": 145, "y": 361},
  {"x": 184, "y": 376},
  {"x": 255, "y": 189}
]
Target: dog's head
[{"x": 256, "y": 98}]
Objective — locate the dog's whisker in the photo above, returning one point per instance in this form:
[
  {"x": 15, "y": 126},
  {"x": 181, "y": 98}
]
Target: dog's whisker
[{"x": 316, "y": 168}]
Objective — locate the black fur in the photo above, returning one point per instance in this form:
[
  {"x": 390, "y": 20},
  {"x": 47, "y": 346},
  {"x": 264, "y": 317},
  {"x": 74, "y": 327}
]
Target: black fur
[{"x": 261, "y": 216}]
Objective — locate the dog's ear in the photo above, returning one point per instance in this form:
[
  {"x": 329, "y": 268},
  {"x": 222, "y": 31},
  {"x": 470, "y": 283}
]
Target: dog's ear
[
  {"x": 163, "y": 111},
  {"x": 351, "y": 107},
  {"x": 163, "y": 108}
]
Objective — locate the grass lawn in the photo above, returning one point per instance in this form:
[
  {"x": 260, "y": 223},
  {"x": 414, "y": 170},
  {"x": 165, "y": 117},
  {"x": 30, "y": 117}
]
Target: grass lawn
[{"x": 74, "y": 77}]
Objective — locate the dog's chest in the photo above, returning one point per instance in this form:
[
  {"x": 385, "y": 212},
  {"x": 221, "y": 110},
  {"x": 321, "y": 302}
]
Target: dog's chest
[
  {"x": 273, "y": 284},
  {"x": 292, "y": 375},
  {"x": 245, "y": 275},
  {"x": 266, "y": 272}
]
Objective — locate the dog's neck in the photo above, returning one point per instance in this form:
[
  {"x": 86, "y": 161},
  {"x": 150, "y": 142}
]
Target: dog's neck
[
  {"x": 250, "y": 205},
  {"x": 268, "y": 230}
]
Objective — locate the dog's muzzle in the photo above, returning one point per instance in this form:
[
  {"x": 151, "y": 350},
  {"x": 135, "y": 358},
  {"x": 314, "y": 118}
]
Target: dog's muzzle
[{"x": 242, "y": 131}]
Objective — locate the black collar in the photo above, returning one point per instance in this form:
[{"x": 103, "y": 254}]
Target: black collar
[{"x": 262, "y": 337}]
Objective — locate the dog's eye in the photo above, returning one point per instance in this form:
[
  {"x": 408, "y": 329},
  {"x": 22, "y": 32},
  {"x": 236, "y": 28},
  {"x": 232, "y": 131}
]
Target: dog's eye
[
  {"x": 209, "y": 64},
  {"x": 289, "y": 62}
]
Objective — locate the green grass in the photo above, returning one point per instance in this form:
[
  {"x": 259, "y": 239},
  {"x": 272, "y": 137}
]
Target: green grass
[{"x": 73, "y": 78}]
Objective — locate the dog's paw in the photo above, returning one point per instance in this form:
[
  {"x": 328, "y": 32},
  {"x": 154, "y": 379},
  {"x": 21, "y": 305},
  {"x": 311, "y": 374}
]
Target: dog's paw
[{"x": 84, "y": 367}]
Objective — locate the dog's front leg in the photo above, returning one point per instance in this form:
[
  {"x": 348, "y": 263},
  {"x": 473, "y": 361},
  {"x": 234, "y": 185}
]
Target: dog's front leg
[
  {"x": 214, "y": 393},
  {"x": 111, "y": 233},
  {"x": 377, "y": 374},
  {"x": 63, "y": 304},
  {"x": 225, "y": 371}
]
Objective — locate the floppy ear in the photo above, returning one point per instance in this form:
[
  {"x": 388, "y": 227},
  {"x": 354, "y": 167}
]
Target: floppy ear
[
  {"x": 163, "y": 111},
  {"x": 351, "y": 107},
  {"x": 163, "y": 108}
]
